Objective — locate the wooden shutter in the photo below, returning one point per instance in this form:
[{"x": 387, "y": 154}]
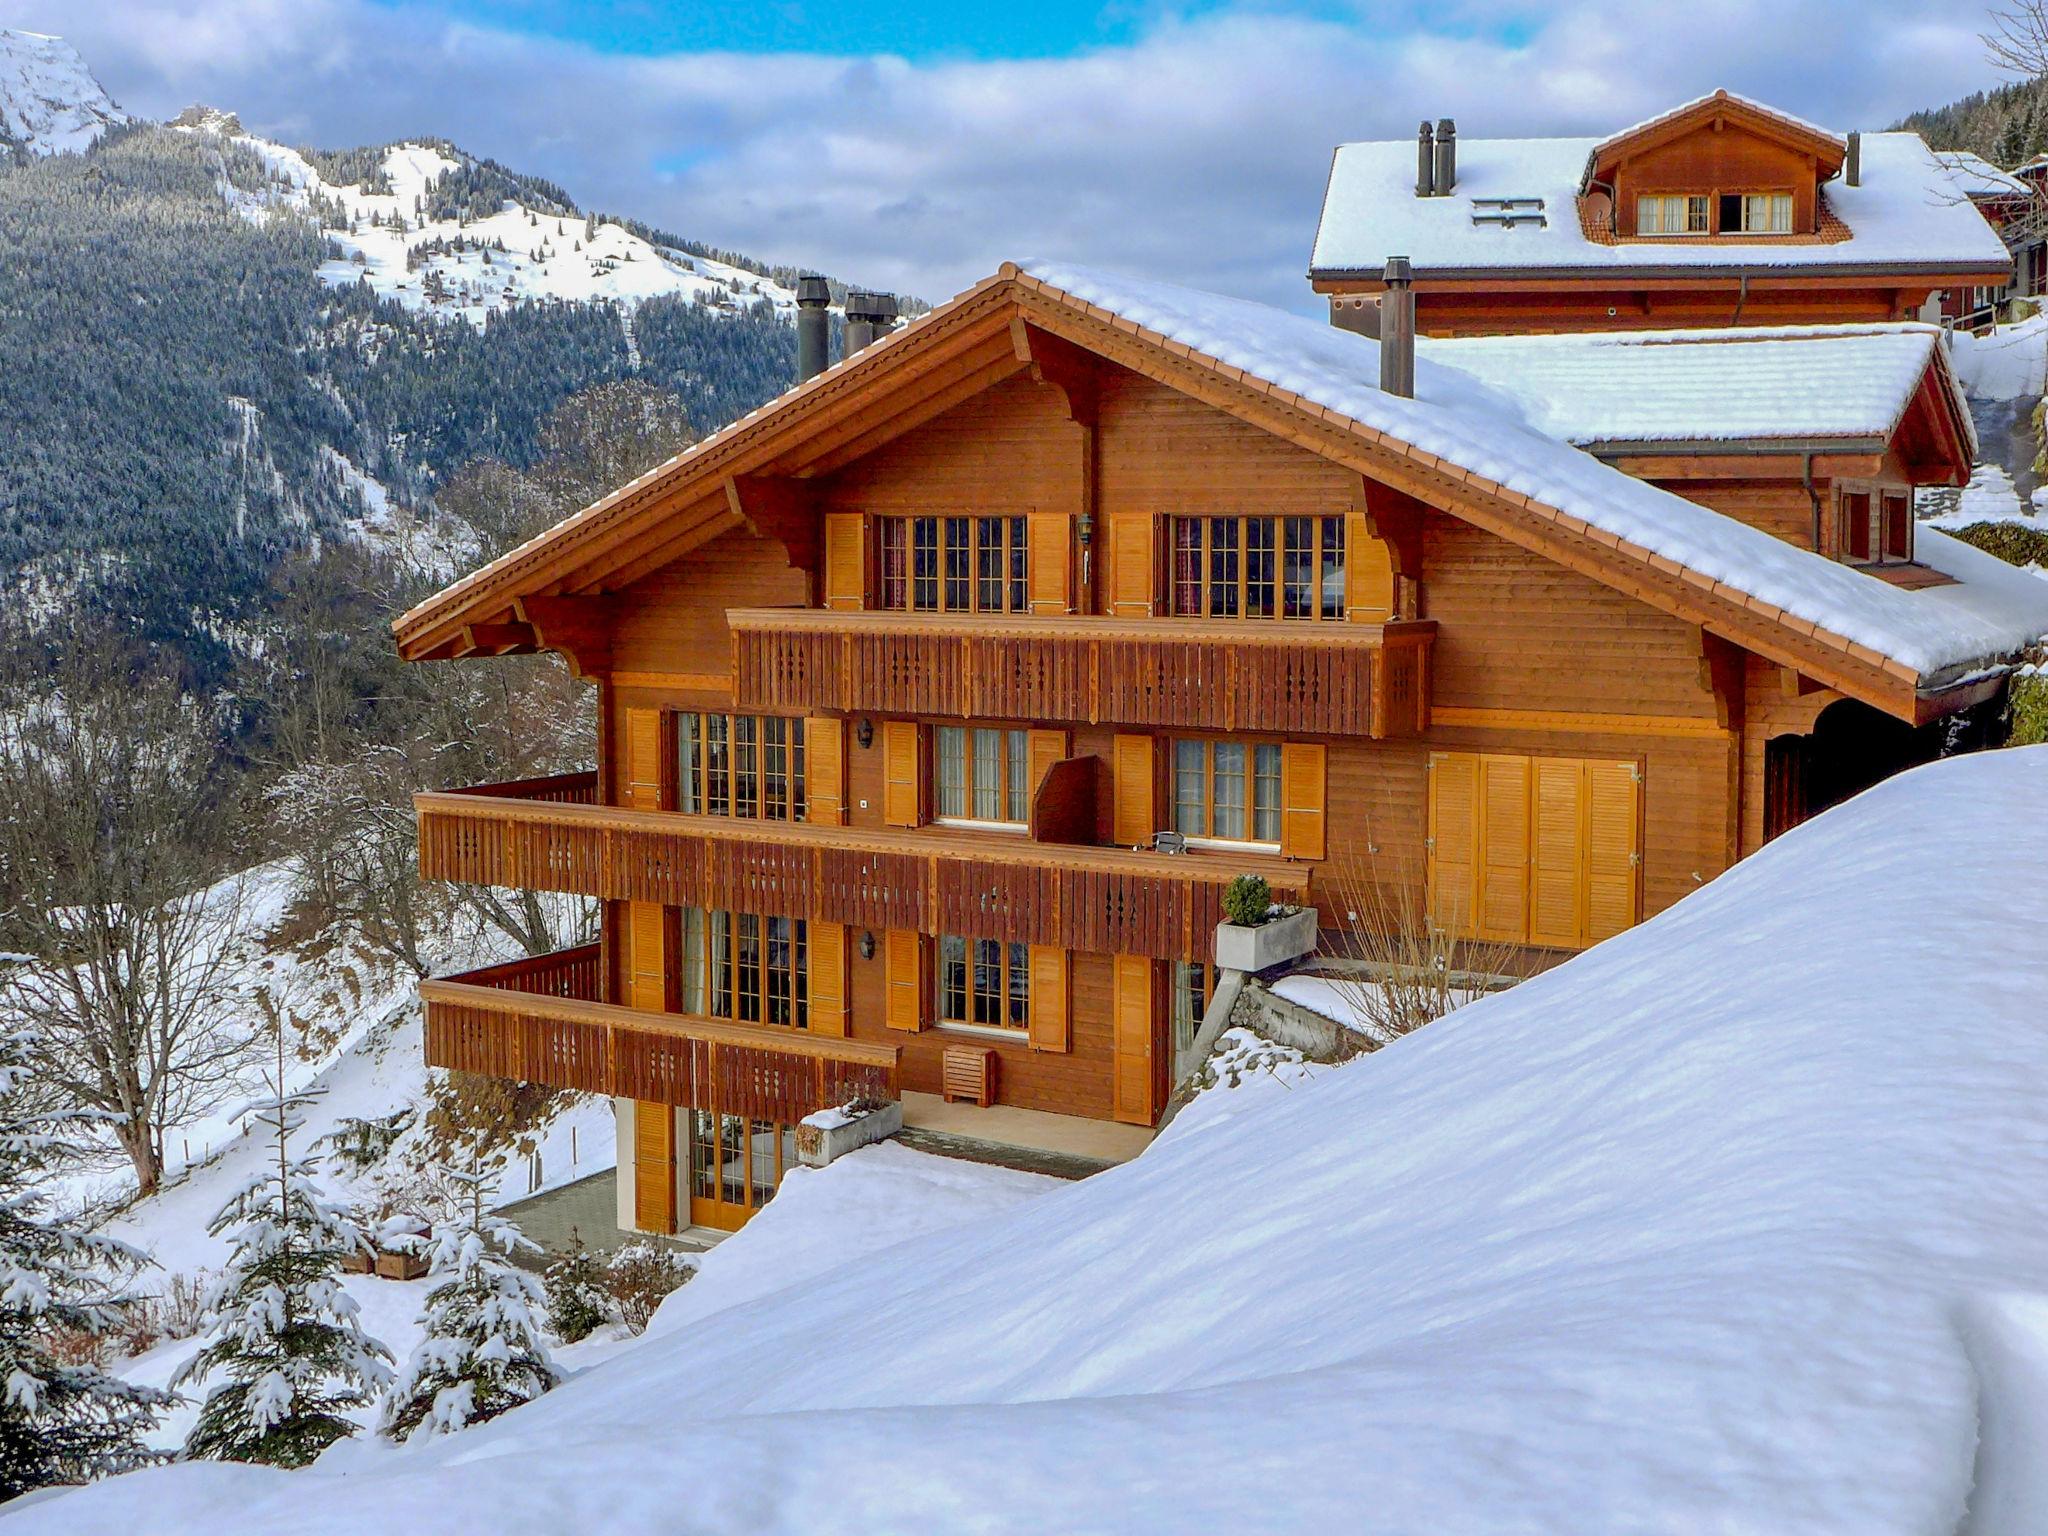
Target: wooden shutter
[
  {"x": 1304, "y": 773},
  {"x": 846, "y": 562},
  {"x": 1133, "y": 816},
  {"x": 1613, "y": 848},
  {"x": 1368, "y": 573},
  {"x": 1045, "y": 749},
  {"x": 1051, "y": 1010},
  {"x": 1557, "y": 853},
  {"x": 1049, "y": 578},
  {"x": 825, "y": 771},
  {"x": 643, "y": 759},
  {"x": 903, "y": 970},
  {"x": 647, "y": 969},
  {"x": 1132, "y": 563},
  {"x": 654, "y": 1166},
  {"x": 1503, "y": 911},
  {"x": 902, "y": 774},
  {"x": 828, "y": 989},
  {"x": 1131, "y": 1016},
  {"x": 1453, "y": 840}
]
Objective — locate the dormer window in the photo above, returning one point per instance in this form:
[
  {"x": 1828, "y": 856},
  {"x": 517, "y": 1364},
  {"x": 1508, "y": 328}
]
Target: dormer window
[
  {"x": 1757, "y": 213},
  {"x": 1671, "y": 214}
]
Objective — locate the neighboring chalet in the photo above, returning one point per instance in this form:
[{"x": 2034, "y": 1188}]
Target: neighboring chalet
[
  {"x": 1719, "y": 212},
  {"x": 900, "y": 676},
  {"x": 2012, "y": 203}
]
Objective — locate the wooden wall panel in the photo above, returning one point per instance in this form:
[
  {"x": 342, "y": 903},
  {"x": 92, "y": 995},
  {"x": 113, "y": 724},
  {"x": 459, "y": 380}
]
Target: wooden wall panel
[
  {"x": 1009, "y": 450},
  {"x": 1779, "y": 507},
  {"x": 673, "y": 622},
  {"x": 1162, "y": 452}
]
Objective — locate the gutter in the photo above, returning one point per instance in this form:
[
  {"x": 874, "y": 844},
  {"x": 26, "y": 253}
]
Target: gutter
[{"x": 1734, "y": 447}]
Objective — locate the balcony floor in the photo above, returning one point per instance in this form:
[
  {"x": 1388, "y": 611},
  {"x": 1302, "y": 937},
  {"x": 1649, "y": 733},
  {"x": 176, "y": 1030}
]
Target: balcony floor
[{"x": 1093, "y": 1142}]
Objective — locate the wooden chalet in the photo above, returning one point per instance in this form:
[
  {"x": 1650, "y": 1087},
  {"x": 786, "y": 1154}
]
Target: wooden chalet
[
  {"x": 1722, "y": 211},
  {"x": 900, "y": 675}
]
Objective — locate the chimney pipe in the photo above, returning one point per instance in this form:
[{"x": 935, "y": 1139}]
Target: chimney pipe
[
  {"x": 1397, "y": 330},
  {"x": 1425, "y": 161},
  {"x": 884, "y": 314},
  {"x": 863, "y": 310},
  {"x": 1852, "y": 163},
  {"x": 813, "y": 326},
  {"x": 1446, "y": 176}
]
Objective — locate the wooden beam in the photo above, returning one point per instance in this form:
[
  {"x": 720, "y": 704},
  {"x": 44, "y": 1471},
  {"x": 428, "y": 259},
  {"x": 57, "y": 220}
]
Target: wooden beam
[
  {"x": 578, "y": 627},
  {"x": 1074, "y": 371},
  {"x": 496, "y": 639},
  {"x": 624, "y": 561},
  {"x": 915, "y": 415},
  {"x": 781, "y": 509}
]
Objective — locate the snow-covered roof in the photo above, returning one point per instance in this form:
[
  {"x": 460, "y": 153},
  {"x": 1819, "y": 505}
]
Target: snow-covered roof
[
  {"x": 1785, "y": 120},
  {"x": 1908, "y": 214},
  {"x": 1486, "y": 431},
  {"x": 1707, "y": 385},
  {"x": 1978, "y": 177}
]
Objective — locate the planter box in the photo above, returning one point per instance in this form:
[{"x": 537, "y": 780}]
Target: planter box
[
  {"x": 831, "y": 1134},
  {"x": 1271, "y": 943}
]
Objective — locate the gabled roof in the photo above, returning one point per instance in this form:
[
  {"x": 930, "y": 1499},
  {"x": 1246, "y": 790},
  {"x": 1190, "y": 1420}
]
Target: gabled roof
[
  {"x": 1826, "y": 147},
  {"x": 1842, "y": 388},
  {"x": 1460, "y": 444},
  {"x": 1905, "y": 218},
  {"x": 1979, "y": 178}
]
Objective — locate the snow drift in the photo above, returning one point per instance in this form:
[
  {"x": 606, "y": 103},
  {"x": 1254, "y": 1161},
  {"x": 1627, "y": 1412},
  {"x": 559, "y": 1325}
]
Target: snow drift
[{"x": 1688, "y": 1235}]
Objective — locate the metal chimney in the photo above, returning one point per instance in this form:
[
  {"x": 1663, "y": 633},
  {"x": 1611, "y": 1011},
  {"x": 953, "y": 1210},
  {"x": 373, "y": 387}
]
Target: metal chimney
[
  {"x": 884, "y": 314},
  {"x": 1397, "y": 330},
  {"x": 1425, "y": 161},
  {"x": 1446, "y": 176},
  {"x": 862, "y": 311},
  {"x": 1852, "y": 163},
  {"x": 813, "y": 326}
]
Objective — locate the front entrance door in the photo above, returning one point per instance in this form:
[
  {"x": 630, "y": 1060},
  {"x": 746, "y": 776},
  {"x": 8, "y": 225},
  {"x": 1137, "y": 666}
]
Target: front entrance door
[{"x": 735, "y": 1164}]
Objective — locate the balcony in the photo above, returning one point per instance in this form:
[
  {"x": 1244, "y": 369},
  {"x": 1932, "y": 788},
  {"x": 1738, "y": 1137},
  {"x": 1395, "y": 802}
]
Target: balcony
[
  {"x": 1102, "y": 900},
  {"x": 1213, "y": 675},
  {"x": 539, "y": 1021}
]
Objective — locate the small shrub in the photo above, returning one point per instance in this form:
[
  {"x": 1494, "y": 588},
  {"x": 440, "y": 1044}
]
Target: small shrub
[
  {"x": 2014, "y": 543},
  {"x": 2028, "y": 700},
  {"x": 578, "y": 1293},
  {"x": 79, "y": 1347},
  {"x": 181, "y": 1310},
  {"x": 639, "y": 1275},
  {"x": 359, "y": 1146},
  {"x": 139, "y": 1328},
  {"x": 1247, "y": 900}
]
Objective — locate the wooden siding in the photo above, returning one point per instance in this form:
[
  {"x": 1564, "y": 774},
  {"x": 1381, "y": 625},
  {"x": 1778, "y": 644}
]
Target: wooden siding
[
  {"x": 535, "y": 1032},
  {"x": 1304, "y": 679},
  {"x": 1106, "y": 900}
]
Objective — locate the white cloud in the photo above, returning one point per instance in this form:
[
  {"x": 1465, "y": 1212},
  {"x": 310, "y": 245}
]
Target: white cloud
[{"x": 1196, "y": 152}]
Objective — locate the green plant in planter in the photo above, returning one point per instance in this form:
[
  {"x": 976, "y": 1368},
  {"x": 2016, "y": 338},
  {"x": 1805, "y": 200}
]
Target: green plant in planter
[{"x": 1247, "y": 900}]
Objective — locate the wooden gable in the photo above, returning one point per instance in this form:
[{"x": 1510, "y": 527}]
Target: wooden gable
[{"x": 1721, "y": 131}]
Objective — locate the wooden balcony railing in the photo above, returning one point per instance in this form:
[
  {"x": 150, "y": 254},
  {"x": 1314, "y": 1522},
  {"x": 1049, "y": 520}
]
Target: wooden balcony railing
[
  {"x": 556, "y": 789},
  {"x": 1102, "y": 900},
  {"x": 1313, "y": 679},
  {"x": 538, "y": 1021}
]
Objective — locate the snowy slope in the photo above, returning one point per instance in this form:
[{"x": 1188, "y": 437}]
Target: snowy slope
[
  {"x": 1703, "y": 1230},
  {"x": 49, "y": 100},
  {"x": 547, "y": 257}
]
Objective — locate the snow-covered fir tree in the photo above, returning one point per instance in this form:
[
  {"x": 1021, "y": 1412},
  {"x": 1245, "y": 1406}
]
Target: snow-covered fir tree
[
  {"x": 59, "y": 1423},
  {"x": 481, "y": 1351},
  {"x": 575, "y": 1288},
  {"x": 287, "y": 1344}
]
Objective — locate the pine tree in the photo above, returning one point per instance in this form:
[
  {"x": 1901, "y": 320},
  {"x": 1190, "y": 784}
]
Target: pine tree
[
  {"x": 286, "y": 1336},
  {"x": 481, "y": 1351},
  {"x": 576, "y": 1293},
  {"x": 58, "y": 1423}
]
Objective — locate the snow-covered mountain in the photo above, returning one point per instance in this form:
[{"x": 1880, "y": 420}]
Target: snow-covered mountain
[
  {"x": 49, "y": 100},
  {"x": 469, "y": 262}
]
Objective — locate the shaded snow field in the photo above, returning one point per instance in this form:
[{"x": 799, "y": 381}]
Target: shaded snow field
[{"x": 1738, "y": 1222}]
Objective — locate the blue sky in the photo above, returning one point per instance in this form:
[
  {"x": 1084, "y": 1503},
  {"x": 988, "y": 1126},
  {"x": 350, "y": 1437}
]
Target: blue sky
[{"x": 916, "y": 146}]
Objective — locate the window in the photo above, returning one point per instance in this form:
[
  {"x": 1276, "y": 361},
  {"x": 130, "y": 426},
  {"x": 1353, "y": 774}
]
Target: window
[
  {"x": 1190, "y": 1001},
  {"x": 1227, "y": 790},
  {"x": 744, "y": 966},
  {"x": 983, "y": 774},
  {"x": 953, "y": 564},
  {"x": 1898, "y": 525},
  {"x": 984, "y": 982},
  {"x": 749, "y": 766},
  {"x": 1856, "y": 527},
  {"x": 1668, "y": 214},
  {"x": 1767, "y": 213},
  {"x": 1258, "y": 567}
]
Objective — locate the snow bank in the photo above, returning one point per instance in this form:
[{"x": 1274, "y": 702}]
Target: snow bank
[
  {"x": 2008, "y": 363},
  {"x": 1676, "y": 1237}
]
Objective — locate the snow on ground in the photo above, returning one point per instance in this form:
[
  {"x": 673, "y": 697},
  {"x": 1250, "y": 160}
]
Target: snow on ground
[
  {"x": 2008, "y": 363},
  {"x": 49, "y": 101},
  {"x": 1690, "y": 1233},
  {"x": 546, "y": 256}
]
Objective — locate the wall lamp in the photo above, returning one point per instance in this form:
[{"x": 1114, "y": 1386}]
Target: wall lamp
[{"x": 867, "y": 944}]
